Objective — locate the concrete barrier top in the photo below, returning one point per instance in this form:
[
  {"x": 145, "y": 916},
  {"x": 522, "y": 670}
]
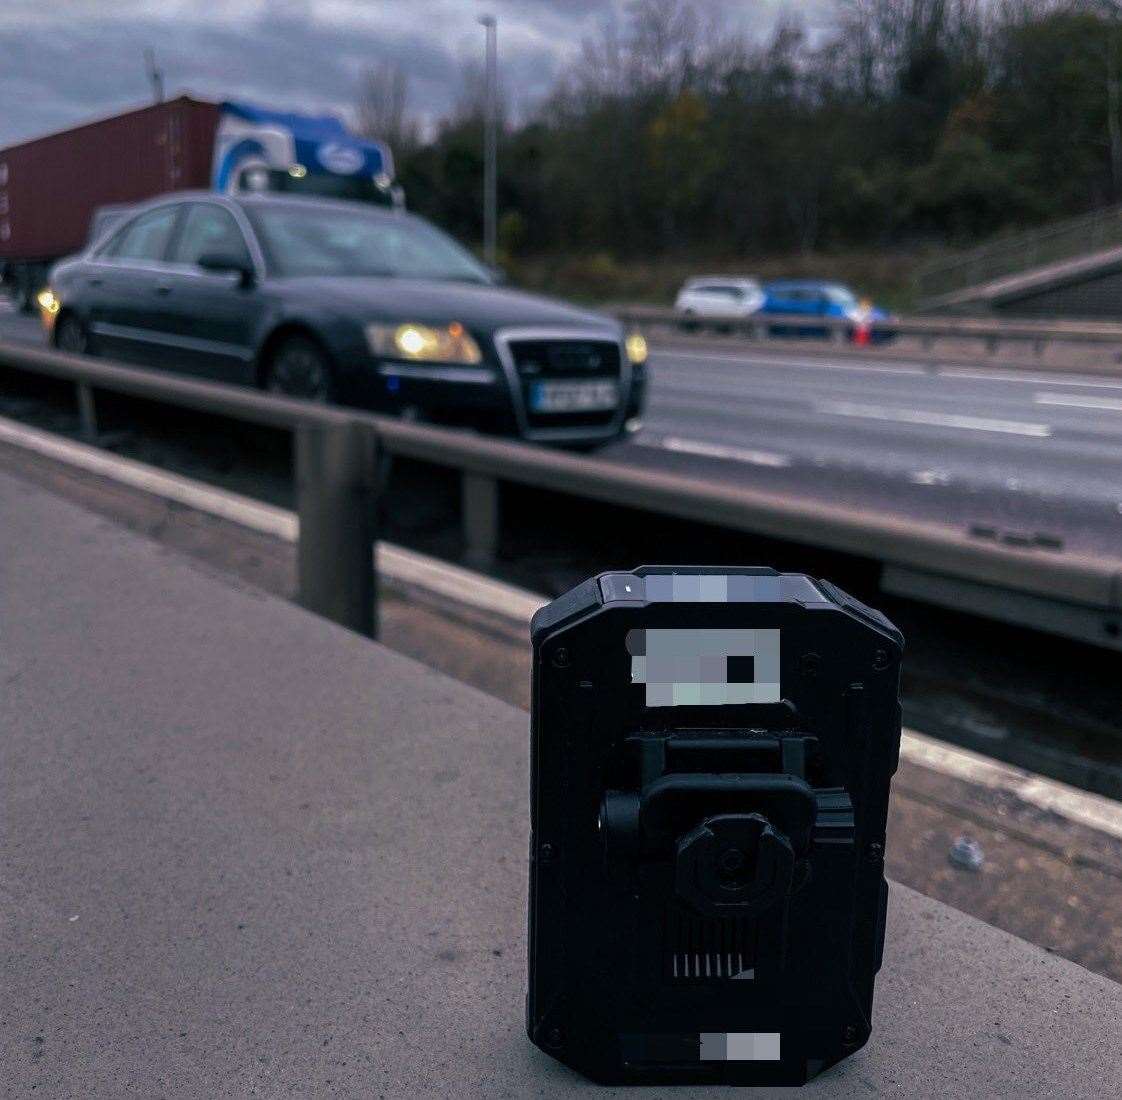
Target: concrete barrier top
[{"x": 246, "y": 851}]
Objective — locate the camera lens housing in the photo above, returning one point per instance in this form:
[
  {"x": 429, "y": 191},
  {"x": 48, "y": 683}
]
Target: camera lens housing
[{"x": 710, "y": 764}]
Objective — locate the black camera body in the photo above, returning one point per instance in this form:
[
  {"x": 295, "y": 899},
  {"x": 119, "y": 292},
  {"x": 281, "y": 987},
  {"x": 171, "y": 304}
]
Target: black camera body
[{"x": 711, "y": 752}]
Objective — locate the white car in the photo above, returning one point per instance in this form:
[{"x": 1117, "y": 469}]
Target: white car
[{"x": 719, "y": 296}]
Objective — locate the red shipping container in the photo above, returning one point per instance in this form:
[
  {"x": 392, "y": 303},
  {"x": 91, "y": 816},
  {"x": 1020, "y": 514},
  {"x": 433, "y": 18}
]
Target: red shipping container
[{"x": 50, "y": 187}]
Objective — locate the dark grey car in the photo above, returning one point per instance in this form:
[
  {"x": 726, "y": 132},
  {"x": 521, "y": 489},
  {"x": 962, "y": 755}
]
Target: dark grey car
[{"x": 337, "y": 302}]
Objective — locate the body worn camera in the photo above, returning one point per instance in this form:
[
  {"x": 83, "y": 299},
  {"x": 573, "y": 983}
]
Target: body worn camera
[{"x": 711, "y": 751}]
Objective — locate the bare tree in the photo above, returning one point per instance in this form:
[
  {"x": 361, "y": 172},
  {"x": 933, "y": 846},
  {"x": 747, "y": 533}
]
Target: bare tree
[
  {"x": 383, "y": 107},
  {"x": 471, "y": 101}
]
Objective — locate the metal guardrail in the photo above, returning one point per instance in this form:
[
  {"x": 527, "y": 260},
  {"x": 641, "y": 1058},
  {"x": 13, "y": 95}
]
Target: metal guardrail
[
  {"x": 335, "y": 464},
  {"x": 335, "y": 469},
  {"x": 992, "y": 332},
  {"x": 1062, "y": 240}
]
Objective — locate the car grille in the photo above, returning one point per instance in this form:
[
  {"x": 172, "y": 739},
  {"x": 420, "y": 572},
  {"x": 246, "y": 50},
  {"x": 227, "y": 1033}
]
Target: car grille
[{"x": 569, "y": 361}]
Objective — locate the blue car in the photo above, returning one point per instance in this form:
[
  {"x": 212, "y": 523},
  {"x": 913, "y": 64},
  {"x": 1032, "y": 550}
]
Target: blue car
[{"x": 803, "y": 300}]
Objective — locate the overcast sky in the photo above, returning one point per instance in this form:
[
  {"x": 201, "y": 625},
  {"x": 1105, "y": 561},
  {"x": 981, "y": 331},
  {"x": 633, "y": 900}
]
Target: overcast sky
[{"x": 64, "y": 62}]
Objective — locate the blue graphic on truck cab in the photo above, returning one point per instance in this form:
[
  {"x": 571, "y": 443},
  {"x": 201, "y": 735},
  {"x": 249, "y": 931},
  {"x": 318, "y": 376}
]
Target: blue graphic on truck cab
[
  {"x": 256, "y": 137},
  {"x": 244, "y": 152}
]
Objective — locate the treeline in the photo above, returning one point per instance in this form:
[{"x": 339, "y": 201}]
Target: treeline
[{"x": 905, "y": 121}]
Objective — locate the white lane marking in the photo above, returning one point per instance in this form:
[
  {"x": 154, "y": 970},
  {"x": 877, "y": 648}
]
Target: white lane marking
[
  {"x": 1057, "y": 379},
  {"x": 517, "y": 605},
  {"x": 1079, "y": 401},
  {"x": 393, "y": 562},
  {"x": 929, "y": 477},
  {"x": 942, "y": 420},
  {"x": 763, "y": 360},
  {"x": 717, "y": 450},
  {"x": 996, "y": 375},
  {"x": 1092, "y": 810}
]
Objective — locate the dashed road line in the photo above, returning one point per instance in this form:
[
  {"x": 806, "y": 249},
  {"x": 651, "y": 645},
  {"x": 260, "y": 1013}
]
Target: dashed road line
[
  {"x": 999, "y": 375},
  {"x": 785, "y": 361},
  {"x": 1079, "y": 401},
  {"x": 937, "y": 370},
  {"x": 901, "y": 415},
  {"x": 929, "y": 477},
  {"x": 717, "y": 450}
]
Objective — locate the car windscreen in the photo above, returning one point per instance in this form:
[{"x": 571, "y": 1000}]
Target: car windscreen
[
  {"x": 321, "y": 241},
  {"x": 841, "y": 296}
]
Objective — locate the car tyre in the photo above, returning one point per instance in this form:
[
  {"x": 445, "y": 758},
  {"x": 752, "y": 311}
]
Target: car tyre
[
  {"x": 71, "y": 336},
  {"x": 299, "y": 367}
]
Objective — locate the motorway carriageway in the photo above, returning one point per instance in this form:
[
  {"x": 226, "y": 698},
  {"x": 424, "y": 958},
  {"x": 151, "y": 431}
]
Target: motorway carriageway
[
  {"x": 1026, "y": 453},
  {"x": 813, "y": 427}
]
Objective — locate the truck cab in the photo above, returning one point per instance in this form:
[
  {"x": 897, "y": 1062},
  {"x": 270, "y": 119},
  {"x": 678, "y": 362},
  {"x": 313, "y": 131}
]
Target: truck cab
[
  {"x": 262, "y": 150},
  {"x": 59, "y": 191}
]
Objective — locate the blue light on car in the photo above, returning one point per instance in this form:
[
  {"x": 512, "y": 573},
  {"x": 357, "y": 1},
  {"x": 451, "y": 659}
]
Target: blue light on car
[{"x": 393, "y": 383}]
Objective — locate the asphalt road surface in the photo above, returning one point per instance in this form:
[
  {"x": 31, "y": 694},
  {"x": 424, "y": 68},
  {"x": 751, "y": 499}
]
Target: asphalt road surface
[{"x": 1023, "y": 453}]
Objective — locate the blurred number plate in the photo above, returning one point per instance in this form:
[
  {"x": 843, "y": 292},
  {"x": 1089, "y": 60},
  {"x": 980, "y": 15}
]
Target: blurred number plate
[{"x": 551, "y": 397}]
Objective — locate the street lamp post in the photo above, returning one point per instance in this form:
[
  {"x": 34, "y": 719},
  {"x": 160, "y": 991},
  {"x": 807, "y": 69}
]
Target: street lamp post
[
  {"x": 1113, "y": 11},
  {"x": 490, "y": 140},
  {"x": 155, "y": 76}
]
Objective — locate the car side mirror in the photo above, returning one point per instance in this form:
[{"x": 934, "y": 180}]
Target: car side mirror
[
  {"x": 498, "y": 276},
  {"x": 228, "y": 263}
]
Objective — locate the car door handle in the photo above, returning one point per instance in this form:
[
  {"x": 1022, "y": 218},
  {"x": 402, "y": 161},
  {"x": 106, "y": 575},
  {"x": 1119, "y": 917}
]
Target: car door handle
[{"x": 163, "y": 289}]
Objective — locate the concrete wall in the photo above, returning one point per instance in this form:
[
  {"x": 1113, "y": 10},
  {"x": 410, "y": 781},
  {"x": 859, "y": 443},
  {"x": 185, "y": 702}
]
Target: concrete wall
[{"x": 1097, "y": 296}]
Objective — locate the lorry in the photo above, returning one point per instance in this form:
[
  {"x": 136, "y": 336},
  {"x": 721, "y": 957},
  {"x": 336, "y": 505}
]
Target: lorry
[{"x": 52, "y": 187}]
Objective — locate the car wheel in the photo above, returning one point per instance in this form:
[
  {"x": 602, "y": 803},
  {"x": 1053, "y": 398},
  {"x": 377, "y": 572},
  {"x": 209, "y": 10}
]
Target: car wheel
[
  {"x": 70, "y": 335},
  {"x": 300, "y": 368},
  {"x": 689, "y": 322}
]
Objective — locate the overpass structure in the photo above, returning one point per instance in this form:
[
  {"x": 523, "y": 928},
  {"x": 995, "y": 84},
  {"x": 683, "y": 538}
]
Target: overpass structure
[{"x": 1069, "y": 269}]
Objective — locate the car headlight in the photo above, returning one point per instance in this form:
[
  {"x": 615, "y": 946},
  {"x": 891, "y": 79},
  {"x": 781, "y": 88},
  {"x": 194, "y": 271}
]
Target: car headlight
[
  {"x": 48, "y": 303},
  {"x": 424, "y": 343},
  {"x": 636, "y": 346}
]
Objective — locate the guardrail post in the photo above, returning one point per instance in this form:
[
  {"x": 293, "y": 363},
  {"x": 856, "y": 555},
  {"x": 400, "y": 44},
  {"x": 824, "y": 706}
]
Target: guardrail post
[
  {"x": 87, "y": 411},
  {"x": 336, "y": 498},
  {"x": 480, "y": 507}
]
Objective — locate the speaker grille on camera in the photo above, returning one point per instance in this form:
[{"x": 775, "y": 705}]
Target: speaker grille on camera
[{"x": 706, "y": 949}]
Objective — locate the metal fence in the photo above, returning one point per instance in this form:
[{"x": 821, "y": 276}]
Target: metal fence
[
  {"x": 1063, "y": 240},
  {"x": 989, "y": 335},
  {"x": 335, "y": 469}
]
